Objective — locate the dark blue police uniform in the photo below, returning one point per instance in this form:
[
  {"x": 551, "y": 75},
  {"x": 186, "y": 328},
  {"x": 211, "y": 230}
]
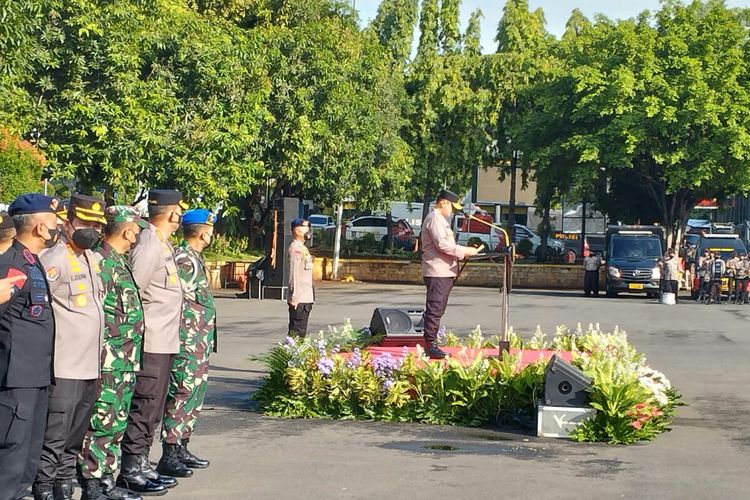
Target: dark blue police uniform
[{"x": 27, "y": 329}]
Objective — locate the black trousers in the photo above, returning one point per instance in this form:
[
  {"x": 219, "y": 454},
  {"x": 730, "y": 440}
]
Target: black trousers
[
  {"x": 591, "y": 283},
  {"x": 149, "y": 399},
  {"x": 298, "y": 317},
  {"x": 23, "y": 413},
  {"x": 438, "y": 291},
  {"x": 68, "y": 415}
]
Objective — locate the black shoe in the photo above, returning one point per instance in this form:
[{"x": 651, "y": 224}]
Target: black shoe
[
  {"x": 63, "y": 489},
  {"x": 43, "y": 492},
  {"x": 149, "y": 471},
  {"x": 115, "y": 492},
  {"x": 132, "y": 478},
  {"x": 191, "y": 460},
  {"x": 434, "y": 352},
  {"x": 170, "y": 464},
  {"x": 93, "y": 489}
]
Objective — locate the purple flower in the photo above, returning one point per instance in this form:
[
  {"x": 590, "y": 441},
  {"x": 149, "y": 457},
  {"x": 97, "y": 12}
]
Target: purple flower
[
  {"x": 325, "y": 366},
  {"x": 385, "y": 365},
  {"x": 355, "y": 360},
  {"x": 289, "y": 340},
  {"x": 388, "y": 385}
]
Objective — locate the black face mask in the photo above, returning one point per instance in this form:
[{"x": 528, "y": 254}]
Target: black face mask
[
  {"x": 308, "y": 236},
  {"x": 54, "y": 237},
  {"x": 86, "y": 238}
]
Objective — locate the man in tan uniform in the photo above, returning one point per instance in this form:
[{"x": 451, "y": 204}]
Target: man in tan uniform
[
  {"x": 77, "y": 294},
  {"x": 155, "y": 272},
  {"x": 440, "y": 256},
  {"x": 301, "y": 294}
]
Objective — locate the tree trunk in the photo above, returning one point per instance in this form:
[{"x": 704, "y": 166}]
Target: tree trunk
[{"x": 545, "y": 229}]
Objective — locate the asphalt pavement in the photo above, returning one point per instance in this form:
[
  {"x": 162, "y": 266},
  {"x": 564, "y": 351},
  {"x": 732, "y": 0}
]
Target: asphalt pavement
[{"x": 704, "y": 350}]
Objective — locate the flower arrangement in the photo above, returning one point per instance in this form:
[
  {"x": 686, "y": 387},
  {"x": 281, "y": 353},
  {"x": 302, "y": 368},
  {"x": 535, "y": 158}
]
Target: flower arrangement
[{"x": 333, "y": 375}]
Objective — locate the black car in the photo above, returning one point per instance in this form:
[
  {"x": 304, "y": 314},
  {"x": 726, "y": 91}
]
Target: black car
[{"x": 632, "y": 255}]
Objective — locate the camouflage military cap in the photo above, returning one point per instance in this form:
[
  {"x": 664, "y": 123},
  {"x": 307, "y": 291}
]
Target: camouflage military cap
[{"x": 124, "y": 213}]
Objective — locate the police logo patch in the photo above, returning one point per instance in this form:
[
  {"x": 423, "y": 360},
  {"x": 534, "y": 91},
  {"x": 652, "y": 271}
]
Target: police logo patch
[
  {"x": 53, "y": 274},
  {"x": 36, "y": 311}
]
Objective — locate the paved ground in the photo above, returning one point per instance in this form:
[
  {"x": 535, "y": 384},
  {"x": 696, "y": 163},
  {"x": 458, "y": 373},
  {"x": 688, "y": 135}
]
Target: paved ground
[{"x": 703, "y": 349}]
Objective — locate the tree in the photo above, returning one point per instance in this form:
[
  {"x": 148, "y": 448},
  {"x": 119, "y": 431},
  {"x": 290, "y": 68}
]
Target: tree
[
  {"x": 21, "y": 166},
  {"x": 666, "y": 103},
  {"x": 472, "y": 36},
  {"x": 521, "y": 60},
  {"x": 394, "y": 26},
  {"x": 446, "y": 109}
]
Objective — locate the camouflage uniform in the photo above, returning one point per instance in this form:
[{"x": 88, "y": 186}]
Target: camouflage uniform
[
  {"x": 189, "y": 377},
  {"x": 122, "y": 344}
]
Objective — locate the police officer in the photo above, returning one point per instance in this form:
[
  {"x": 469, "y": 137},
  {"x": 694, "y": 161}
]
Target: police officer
[
  {"x": 591, "y": 265},
  {"x": 72, "y": 271},
  {"x": 156, "y": 275},
  {"x": 440, "y": 256},
  {"x": 671, "y": 274},
  {"x": 7, "y": 232},
  {"x": 301, "y": 294},
  {"x": 122, "y": 342},
  {"x": 27, "y": 332},
  {"x": 187, "y": 388}
]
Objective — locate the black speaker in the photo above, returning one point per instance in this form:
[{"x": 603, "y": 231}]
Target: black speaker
[
  {"x": 564, "y": 384},
  {"x": 398, "y": 321}
]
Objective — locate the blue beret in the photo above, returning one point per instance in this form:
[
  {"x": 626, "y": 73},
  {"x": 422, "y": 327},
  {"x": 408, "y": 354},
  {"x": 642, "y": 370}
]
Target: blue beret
[
  {"x": 298, "y": 222},
  {"x": 33, "y": 203},
  {"x": 198, "y": 216}
]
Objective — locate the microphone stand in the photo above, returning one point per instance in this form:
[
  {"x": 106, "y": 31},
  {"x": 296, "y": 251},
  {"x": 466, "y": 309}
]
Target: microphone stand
[{"x": 505, "y": 283}]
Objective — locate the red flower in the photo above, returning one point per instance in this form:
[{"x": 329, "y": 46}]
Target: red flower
[{"x": 636, "y": 424}]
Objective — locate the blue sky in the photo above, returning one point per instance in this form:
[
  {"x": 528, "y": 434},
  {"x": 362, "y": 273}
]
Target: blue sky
[{"x": 556, "y": 12}]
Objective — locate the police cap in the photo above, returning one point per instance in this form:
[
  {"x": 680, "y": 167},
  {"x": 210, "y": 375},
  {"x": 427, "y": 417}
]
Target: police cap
[
  {"x": 166, "y": 197},
  {"x": 33, "y": 203},
  {"x": 198, "y": 216},
  {"x": 86, "y": 208}
]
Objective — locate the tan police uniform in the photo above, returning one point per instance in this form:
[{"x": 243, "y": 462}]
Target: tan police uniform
[
  {"x": 155, "y": 272},
  {"x": 440, "y": 256},
  {"x": 77, "y": 302},
  {"x": 301, "y": 291}
]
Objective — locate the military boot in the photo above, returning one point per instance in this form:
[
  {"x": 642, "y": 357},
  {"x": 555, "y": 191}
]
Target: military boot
[
  {"x": 151, "y": 473},
  {"x": 116, "y": 493},
  {"x": 93, "y": 489},
  {"x": 43, "y": 492},
  {"x": 170, "y": 464},
  {"x": 63, "y": 489},
  {"x": 132, "y": 478},
  {"x": 191, "y": 460}
]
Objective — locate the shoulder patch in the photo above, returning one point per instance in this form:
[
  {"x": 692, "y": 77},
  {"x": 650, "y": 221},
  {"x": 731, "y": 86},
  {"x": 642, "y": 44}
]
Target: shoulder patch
[
  {"x": 53, "y": 274},
  {"x": 28, "y": 256}
]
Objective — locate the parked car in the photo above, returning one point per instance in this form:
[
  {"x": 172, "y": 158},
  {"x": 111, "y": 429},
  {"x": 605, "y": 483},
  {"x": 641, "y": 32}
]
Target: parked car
[
  {"x": 320, "y": 221},
  {"x": 522, "y": 232},
  {"x": 377, "y": 225},
  {"x": 632, "y": 257}
]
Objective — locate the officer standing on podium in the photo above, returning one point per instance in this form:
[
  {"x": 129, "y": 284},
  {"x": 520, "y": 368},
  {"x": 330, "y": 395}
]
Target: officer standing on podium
[
  {"x": 301, "y": 293},
  {"x": 156, "y": 275},
  {"x": 27, "y": 337},
  {"x": 72, "y": 272},
  {"x": 440, "y": 256}
]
